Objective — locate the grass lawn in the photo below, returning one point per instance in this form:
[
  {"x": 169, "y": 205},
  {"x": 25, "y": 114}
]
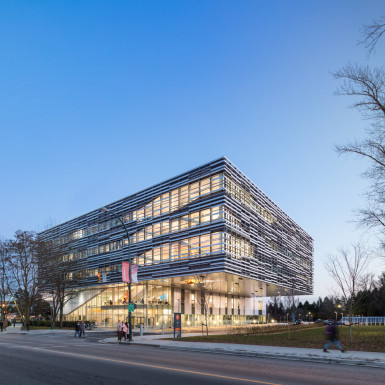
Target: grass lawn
[{"x": 365, "y": 338}]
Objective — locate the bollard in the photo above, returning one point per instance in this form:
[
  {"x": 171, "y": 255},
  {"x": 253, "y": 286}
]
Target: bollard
[
  {"x": 141, "y": 330},
  {"x": 162, "y": 329}
]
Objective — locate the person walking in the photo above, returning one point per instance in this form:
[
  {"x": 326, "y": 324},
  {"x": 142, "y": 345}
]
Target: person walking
[
  {"x": 14, "y": 321},
  {"x": 124, "y": 331},
  {"x": 77, "y": 330},
  {"x": 119, "y": 329},
  {"x": 82, "y": 330},
  {"x": 332, "y": 337}
]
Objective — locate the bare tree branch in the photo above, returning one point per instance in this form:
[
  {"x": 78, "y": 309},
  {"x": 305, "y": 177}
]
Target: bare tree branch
[{"x": 372, "y": 34}]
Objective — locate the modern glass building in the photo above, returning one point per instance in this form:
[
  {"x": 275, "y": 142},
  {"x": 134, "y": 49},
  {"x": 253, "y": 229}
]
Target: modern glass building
[{"x": 206, "y": 239}]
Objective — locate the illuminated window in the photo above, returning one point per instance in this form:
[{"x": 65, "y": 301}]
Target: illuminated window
[
  {"x": 148, "y": 210},
  {"x": 205, "y": 215},
  {"x": 156, "y": 211},
  {"x": 174, "y": 250},
  {"x": 184, "y": 195},
  {"x": 156, "y": 254},
  {"x": 174, "y": 199},
  {"x": 165, "y": 252},
  {"x": 205, "y": 244},
  {"x": 165, "y": 203},
  {"x": 148, "y": 257},
  {"x": 194, "y": 243},
  {"x": 184, "y": 252},
  {"x": 194, "y": 219},
  {"x": 205, "y": 186},
  {"x": 175, "y": 225},
  {"x": 165, "y": 227},
  {"x": 194, "y": 191},
  {"x": 156, "y": 229},
  {"x": 148, "y": 231},
  {"x": 184, "y": 222}
]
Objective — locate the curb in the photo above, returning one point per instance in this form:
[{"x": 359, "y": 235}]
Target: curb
[{"x": 331, "y": 360}]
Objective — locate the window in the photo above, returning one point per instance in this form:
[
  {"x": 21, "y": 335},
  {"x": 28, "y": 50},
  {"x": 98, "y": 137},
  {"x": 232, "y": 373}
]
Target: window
[
  {"x": 184, "y": 249},
  {"x": 174, "y": 199},
  {"x": 194, "y": 191},
  {"x": 216, "y": 213},
  {"x": 175, "y": 225},
  {"x": 148, "y": 210},
  {"x": 205, "y": 186},
  {"x": 216, "y": 242},
  {"x": 156, "y": 228},
  {"x": 184, "y": 195},
  {"x": 156, "y": 254},
  {"x": 165, "y": 252},
  {"x": 205, "y": 244},
  {"x": 140, "y": 236},
  {"x": 148, "y": 257},
  {"x": 194, "y": 243},
  {"x": 184, "y": 222},
  {"x": 165, "y": 203},
  {"x": 194, "y": 219},
  {"x": 216, "y": 182},
  {"x": 205, "y": 216},
  {"x": 165, "y": 227},
  {"x": 156, "y": 207},
  {"x": 148, "y": 231},
  {"x": 174, "y": 250}
]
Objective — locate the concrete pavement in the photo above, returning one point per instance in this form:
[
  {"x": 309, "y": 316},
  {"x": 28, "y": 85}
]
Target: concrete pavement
[{"x": 374, "y": 359}]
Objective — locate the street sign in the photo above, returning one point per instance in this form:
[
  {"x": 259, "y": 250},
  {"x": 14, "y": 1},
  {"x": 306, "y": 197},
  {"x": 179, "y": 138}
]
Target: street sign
[
  {"x": 104, "y": 277},
  {"x": 131, "y": 307},
  {"x": 177, "y": 325}
]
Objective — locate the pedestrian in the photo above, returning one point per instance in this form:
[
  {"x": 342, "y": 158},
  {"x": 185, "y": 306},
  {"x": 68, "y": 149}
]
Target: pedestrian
[
  {"x": 332, "y": 337},
  {"x": 14, "y": 322},
  {"x": 1, "y": 325},
  {"x": 82, "y": 330},
  {"x": 119, "y": 329},
  {"x": 77, "y": 330},
  {"x": 124, "y": 331}
]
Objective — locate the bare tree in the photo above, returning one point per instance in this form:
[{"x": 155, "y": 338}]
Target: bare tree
[
  {"x": 22, "y": 281},
  {"x": 59, "y": 278},
  {"x": 348, "y": 269},
  {"x": 372, "y": 33},
  {"x": 3, "y": 273},
  {"x": 366, "y": 86}
]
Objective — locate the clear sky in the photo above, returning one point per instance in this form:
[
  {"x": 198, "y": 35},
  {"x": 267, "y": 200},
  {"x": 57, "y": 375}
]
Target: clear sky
[{"x": 100, "y": 99}]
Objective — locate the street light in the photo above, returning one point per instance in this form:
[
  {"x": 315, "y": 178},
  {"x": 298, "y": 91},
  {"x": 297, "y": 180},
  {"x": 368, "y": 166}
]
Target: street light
[{"x": 105, "y": 209}]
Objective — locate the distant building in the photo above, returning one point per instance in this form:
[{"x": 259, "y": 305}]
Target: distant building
[{"x": 209, "y": 227}]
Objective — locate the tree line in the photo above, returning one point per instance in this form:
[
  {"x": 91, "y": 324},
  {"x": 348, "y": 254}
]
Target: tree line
[{"x": 369, "y": 302}]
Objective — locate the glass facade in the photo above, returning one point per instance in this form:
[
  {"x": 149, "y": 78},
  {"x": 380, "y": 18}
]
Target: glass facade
[{"x": 210, "y": 222}]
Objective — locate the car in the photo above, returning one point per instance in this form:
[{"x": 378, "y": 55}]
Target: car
[
  {"x": 318, "y": 321},
  {"x": 299, "y": 322}
]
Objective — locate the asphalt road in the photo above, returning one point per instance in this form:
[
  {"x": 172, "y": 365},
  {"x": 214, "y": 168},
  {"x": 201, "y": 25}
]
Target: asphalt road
[{"x": 62, "y": 359}]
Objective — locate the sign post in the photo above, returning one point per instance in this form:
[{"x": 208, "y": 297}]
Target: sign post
[{"x": 177, "y": 325}]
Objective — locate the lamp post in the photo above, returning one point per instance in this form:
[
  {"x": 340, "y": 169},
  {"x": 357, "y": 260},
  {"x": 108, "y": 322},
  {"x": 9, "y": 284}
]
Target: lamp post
[{"x": 105, "y": 209}]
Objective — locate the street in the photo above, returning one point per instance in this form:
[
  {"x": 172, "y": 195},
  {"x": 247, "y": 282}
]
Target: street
[{"x": 62, "y": 359}]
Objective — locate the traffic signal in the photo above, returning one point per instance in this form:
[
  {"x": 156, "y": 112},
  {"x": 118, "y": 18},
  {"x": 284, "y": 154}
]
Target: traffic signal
[{"x": 99, "y": 277}]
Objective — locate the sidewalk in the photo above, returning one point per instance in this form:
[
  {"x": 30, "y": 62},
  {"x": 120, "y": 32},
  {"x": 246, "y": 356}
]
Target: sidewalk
[{"x": 372, "y": 359}]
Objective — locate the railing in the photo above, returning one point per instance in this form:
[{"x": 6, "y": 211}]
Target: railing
[{"x": 365, "y": 320}]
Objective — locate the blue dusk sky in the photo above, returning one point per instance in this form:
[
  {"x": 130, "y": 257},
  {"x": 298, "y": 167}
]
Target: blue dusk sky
[{"x": 101, "y": 99}]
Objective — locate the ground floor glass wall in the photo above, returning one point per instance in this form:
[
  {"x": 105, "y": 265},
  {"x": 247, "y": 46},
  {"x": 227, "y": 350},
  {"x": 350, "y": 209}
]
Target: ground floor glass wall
[{"x": 155, "y": 305}]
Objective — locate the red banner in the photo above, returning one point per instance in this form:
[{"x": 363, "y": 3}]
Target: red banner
[{"x": 126, "y": 272}]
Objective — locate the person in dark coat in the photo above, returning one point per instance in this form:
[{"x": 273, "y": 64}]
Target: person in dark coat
[
  {"x": 332, "y": 337},
  {"x": 77, "y": 330}
]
